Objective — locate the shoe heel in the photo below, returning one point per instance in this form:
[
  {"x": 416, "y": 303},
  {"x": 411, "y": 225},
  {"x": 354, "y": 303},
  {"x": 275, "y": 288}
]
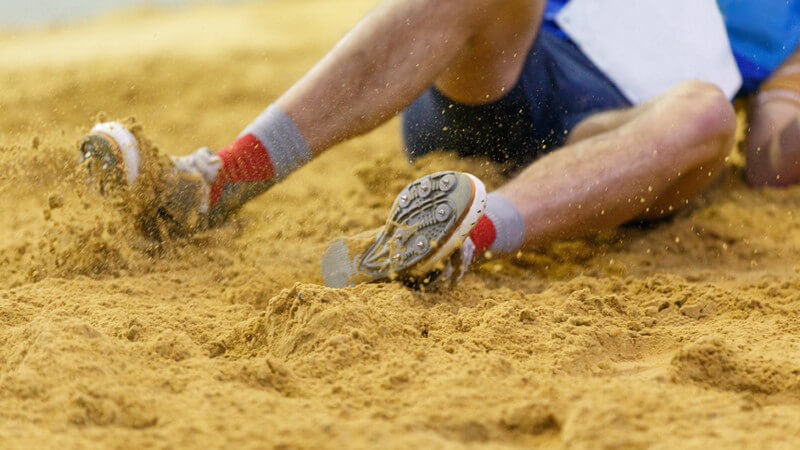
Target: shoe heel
[
  {"x": 338, "y": 268},
  {"x": 113, "y": 152}
]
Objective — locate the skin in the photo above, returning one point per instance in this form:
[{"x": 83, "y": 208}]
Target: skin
[
  {"x": 641, "y": 163},
  {"x": 773, "y": 144},
  {"x": 642, "y": 168},
  {"x": 398, "y": 51}
]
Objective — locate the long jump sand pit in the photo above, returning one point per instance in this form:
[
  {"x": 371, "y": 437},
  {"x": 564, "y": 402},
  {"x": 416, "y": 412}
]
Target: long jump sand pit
[{"x": 681, "y": 334}]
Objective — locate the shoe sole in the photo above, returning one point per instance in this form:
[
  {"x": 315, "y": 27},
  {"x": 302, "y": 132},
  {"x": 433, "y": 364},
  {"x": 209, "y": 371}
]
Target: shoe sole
[
  {"x": 111, "y": 153},
  {"x": 429, "y": 220}
]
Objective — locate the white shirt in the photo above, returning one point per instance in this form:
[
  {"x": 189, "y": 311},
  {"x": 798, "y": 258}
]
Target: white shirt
[{"x": 647, "y": 46}]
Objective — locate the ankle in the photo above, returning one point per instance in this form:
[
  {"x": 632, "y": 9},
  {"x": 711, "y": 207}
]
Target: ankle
[
  {"x": 501, "y": 230},
  {"x": 267, "y": 151},
  {"x": 276, "y": 134}
]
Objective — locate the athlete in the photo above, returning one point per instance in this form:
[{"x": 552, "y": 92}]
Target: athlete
[{"x": 540, "y": 85}]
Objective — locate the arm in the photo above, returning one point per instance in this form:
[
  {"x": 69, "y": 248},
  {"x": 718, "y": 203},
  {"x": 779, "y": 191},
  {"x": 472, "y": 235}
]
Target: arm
[{"x": 773, "y": 144}]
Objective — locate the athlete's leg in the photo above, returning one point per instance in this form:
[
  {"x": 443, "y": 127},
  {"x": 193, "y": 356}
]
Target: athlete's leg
[
  {"x": 474, "y": 48},
  {"x": 378, "y": 69},
  {"x": 602, "y": 122},
  {"x": 646, "y": 168},
  {"x": 773, "y": 145}
]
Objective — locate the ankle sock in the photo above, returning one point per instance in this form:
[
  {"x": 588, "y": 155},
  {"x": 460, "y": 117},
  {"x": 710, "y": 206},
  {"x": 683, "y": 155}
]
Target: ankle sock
[
  {"x": 501, "y": 230},
  {"x": 267, "y": 151}
]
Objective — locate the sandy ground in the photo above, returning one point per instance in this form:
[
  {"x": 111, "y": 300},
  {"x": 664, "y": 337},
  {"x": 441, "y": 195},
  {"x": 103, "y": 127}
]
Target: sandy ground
[{"x": 682, "y": 334}]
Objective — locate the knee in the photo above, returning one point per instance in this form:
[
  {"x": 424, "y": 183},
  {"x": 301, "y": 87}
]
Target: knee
[{"x": 708, "y": 111}]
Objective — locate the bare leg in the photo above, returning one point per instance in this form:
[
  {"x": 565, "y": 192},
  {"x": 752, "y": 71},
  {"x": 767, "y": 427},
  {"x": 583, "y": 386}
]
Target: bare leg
[
  {"x": 401, "y": 49},
  {"x": 474, "y": 48},
  {"x": 646, "y": 168},
  {"x": 602, "y": 122}
]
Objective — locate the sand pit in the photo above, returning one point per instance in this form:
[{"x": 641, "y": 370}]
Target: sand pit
[{"x": 681, "y": 334}]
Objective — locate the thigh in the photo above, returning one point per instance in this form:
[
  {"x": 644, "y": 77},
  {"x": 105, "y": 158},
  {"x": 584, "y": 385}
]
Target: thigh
[
  {"x": 501, "y": 131},
  {"x": 566, "y": 88},
  {"x": 490, "y": 64},
  {"x": 557, "y": 88},
  {"x": 600, "y": 122}
]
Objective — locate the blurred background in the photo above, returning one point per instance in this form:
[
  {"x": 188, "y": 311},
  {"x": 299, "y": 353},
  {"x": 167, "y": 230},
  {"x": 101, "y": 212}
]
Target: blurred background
[{"x": 15, "y": 14}]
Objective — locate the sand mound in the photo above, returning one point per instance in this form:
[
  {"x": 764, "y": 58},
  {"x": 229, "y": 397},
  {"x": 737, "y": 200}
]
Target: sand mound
[
  {"x": 711, "y": 362},
  {"x": 680, "y": 334}
]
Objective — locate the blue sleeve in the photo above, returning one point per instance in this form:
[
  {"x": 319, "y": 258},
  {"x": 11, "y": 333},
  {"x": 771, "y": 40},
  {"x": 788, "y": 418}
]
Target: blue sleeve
[
  {"x": 551, "y": 9},
  {"x": 763, "y": 34}
]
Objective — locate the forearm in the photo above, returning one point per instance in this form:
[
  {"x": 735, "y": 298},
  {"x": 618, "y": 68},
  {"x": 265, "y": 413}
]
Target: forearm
[
  {"x": 773, "y": 144},
  {"x": 773, "y": 141}
]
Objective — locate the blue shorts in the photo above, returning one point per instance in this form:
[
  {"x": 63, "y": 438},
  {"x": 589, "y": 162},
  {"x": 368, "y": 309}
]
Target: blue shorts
[{"x": 558, "y": 88}]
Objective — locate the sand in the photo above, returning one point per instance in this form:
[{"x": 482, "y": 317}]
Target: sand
[{"x": 680, "y": 334}]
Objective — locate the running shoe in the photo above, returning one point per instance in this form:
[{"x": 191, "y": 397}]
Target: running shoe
[
  {"x": 112, "y": 155},
  {"x": 428, "y": 223}
]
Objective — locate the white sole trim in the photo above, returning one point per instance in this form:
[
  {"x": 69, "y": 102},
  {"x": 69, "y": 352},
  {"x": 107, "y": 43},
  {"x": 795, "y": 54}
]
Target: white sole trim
[
  {"x": 476, "y": 210},
  {"x": 127, "y": 144}
]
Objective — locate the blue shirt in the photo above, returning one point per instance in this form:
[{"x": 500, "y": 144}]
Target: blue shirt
[{"x": 763, "y": 33}]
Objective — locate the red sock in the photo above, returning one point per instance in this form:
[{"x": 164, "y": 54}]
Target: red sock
[
  {"x": 268, "y": 150},
  {"x": 483, "y": 235},
  {"x": 246, "y": 159},
  {"x": 501, "y": 230}
]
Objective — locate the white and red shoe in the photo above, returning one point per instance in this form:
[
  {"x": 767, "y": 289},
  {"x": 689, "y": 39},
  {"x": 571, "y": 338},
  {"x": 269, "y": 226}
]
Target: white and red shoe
[
  {"x": 111, "y": 153},
  {"x": 429, "y": 222},
  {"x": 201, "y": 188}
]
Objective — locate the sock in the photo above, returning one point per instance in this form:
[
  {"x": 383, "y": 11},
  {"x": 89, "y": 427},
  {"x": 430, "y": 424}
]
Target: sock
[
  {"x": 267, "y": 151},
  {"x": 501, "y": 230}
]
